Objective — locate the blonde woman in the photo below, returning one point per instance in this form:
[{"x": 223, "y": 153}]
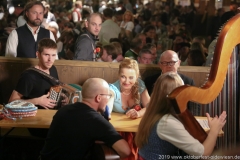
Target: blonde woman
[
  {"x": 129, "y": 90},
  {"x": 160, "y": 133},
  {"x": 127, "y": 26},
  {"x": 128, "y": 93}
]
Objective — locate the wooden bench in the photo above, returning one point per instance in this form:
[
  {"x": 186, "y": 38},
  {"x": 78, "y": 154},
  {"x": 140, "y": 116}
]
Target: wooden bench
[{"x": 78, "y": 72}]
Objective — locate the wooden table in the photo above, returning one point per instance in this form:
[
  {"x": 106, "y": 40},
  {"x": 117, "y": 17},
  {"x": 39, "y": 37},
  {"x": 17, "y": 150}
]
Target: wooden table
[{"x": 43, "y": 119}]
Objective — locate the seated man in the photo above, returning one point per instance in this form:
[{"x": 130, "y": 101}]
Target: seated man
[
  {"x": 118, "y": 48},
  {"x": 145, "y": 57},
  {"x": 169, "y": 61},
  {"x": 109, "y": 53},
  {"x": 135, "y": 47},
  {"x": 32, "y": 86},
  {"x": 153, "y": 48},
  {"x": 76, "y": 127}
]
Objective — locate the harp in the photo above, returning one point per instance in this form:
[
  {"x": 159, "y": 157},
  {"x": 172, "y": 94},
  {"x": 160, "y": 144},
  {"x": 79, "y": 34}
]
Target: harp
[{"x": 227, "y": 40}]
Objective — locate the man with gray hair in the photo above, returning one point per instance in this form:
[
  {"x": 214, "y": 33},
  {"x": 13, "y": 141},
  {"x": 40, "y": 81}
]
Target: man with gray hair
[
  {"x": 22, "y": 42},
  {"x": 76, "y": 127},
  {"x": 145, "y": 56},
  {"x": 169, "y": 62}
]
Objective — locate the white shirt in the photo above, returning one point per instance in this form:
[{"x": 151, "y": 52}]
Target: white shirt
[
  {"x": 59, "y": 46},
  {"x": 100, "y": 10},
  {"x": 114, "y": 61},
  {"x": 50, "y": 17},
  {"x": 20, "y": 21},
  {"x": 167, "y": 128},
  {"x": 75, "y": 15},
  {"x": 100, "y": 60},
  {"x": 109, "y": 30},
  {"x": 127, "y": 26},
  {"x": 12, "y": 42}
]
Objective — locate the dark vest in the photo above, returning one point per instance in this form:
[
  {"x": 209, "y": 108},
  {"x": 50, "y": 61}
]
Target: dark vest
[
  {"x": 27, "y": 46},
  {"x": 157, "y": 147}
]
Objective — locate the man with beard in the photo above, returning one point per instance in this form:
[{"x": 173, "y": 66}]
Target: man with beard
[
  {"x": 76, "y": 127},
  {"x": 22, "y": 42},
  {"x": 85, "y": 44}
]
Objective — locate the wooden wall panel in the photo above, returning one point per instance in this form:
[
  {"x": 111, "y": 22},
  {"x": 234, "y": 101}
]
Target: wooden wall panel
[
  {"x": 69, "y": 73},
  {"x": 198, "y": 74},
  {"x": 79, "y": 71}
]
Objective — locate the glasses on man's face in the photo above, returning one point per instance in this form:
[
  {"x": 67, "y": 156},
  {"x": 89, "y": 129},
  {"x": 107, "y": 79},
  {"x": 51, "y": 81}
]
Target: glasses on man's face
[
  {"x": 171, "y": 63},
  {"x": 107, "y": 95}
]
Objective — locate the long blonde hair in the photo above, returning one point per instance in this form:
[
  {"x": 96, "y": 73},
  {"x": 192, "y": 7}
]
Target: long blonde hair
[
  {"x": 132, "y": 17},
  {"x": 158, "y": 105},
  {"x": 132, "y": 64}
]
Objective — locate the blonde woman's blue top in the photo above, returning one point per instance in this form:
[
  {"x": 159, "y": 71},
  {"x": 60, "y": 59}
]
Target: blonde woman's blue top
[{"x": 115, "y": 87}]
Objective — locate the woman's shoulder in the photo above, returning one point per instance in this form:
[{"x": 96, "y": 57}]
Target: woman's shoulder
[
  {"x": 130, "y": 22},
  {"x": 169, "y": 120},
  {"x": 122, "y": 24},
  {"x": 140, "y": 80},
  {"x": 142, "y": 86},
  {"x": 115, "y": 86},
  {"x": 167, "y": 124}
]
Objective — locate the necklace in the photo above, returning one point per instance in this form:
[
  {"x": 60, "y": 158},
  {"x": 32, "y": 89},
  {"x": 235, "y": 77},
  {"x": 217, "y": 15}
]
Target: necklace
[{"x": 126, "y": 94}]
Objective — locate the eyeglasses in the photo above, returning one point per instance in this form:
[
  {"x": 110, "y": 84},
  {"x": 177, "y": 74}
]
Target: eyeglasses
[
  {"x": 108, "y": 95},
  {"x": 171, "y": 63}
]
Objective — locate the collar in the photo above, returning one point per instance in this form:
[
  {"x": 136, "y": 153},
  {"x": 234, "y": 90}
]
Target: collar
[
  {"x": 30, "y": 28},
  {"x": 95, "y": 38},
  {"x": 109, "y": 19},
  {"x": 133, "y": 51}
]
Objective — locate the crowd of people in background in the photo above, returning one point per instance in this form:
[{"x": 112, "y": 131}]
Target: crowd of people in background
[
  {"x": 124, "y": 30},
  {"x": 153, "y": 33}
]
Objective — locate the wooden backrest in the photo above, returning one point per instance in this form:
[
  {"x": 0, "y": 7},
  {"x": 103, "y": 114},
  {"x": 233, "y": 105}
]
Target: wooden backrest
[{"x": 76, "y": 72}]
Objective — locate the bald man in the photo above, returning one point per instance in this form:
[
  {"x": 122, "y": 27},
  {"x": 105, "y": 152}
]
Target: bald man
[
  {"x": 85, "y": 44},
  {"x": 168, "y": 62},
  {"x": 76, "y": 127}
]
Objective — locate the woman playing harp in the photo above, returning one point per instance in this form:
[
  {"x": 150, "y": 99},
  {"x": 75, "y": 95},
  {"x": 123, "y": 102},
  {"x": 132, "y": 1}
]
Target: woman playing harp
[{"x": 160, "y": 133}]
